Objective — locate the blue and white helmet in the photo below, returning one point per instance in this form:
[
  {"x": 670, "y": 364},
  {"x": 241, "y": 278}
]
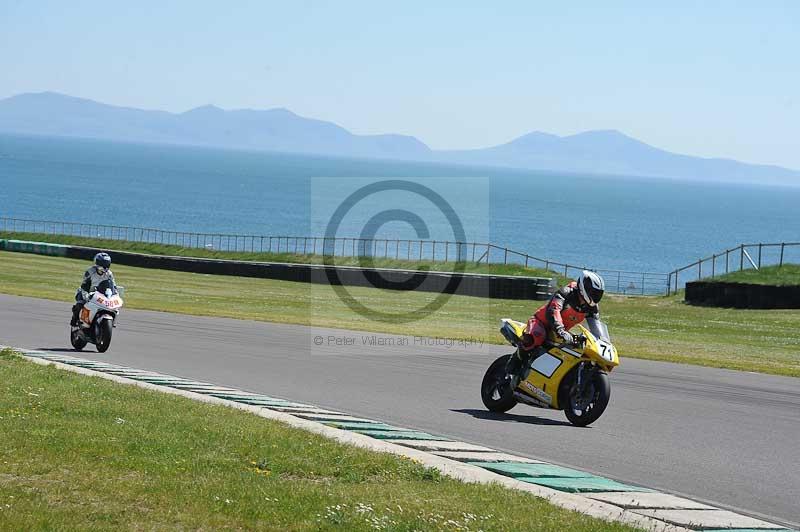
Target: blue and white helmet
[
  {"x": 102, "y": 260},
  {"x": 592, "y": 287}
]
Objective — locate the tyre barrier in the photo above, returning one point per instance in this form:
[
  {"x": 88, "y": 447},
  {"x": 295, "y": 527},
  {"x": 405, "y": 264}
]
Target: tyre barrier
[
  {"x": 469, "y": 284},
  {"x": 742, "y": 295}
]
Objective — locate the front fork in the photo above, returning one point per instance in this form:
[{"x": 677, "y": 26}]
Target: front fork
[{"x": 585, "y": 370}]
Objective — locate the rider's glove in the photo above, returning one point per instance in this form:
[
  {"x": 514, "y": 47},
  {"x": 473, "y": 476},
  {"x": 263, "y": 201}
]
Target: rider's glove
[
  {"x": 567, "y": 337},
  {"x": 84, "y": 295}
]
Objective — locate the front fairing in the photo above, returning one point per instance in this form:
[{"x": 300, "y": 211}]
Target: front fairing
[
  {"x": 600, "y": 350},
  {"x": 111, "y": 303}
]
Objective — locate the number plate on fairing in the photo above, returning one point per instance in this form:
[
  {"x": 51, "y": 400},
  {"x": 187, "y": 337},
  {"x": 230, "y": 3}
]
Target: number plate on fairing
[{"x": 606, "y": 350}]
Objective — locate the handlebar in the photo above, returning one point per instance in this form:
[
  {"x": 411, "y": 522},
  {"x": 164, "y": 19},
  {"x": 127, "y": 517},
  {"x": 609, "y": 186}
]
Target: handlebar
[{"x": 578, "y": 340}]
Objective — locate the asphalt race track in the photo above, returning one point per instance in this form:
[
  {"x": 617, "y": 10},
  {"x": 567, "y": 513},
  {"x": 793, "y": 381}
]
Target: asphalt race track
[{"x": 728, "y": 438}]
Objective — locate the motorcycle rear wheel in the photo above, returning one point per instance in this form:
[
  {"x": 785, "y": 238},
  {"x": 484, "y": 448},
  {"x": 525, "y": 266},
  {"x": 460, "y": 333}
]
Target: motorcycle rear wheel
[
  {"x": 496, "y": 393},
  {"x": 78, "y": 342},
  {"x": 586, "y": 409},
  {"x": 104, "y": 330}
]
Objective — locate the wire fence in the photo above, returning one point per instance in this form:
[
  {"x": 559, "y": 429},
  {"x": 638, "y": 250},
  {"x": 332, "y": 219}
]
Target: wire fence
[
  {"x": 741, "y": 257},
  {"x": 617, "y": 281}
]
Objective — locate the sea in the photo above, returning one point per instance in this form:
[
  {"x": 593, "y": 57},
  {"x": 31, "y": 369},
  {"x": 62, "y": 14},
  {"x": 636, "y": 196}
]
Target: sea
[{"x": 603, "y": 221}]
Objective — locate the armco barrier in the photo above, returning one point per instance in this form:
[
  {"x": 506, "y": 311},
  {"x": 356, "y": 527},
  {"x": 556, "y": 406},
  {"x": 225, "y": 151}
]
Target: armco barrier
[
  {"x": 477, "y": 285},
  {"x": 742, "y": 295}
]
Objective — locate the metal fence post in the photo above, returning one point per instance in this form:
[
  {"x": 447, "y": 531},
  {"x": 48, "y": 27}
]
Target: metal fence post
[
  {"x": 783, "y": 244},
  {"x": 713, "y": 265},
  {"x": 741, "y": 257},
  {"x": 759, "y": 255}
]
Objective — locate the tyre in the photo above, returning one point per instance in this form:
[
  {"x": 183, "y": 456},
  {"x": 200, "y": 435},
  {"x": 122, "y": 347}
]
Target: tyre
[
  {"x": 496, "y": 393},
  {"x": 104, "y": 335},
  {"x": 585, "y": 408},
  {"x": 77, "y": 341}
]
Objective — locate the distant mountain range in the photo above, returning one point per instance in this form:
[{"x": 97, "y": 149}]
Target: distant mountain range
[{"x": 600, "y": 152}]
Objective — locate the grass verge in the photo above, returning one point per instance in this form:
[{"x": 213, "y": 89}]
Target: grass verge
[
  {"x": 788, "y": 274},
  {"x": 294, "y": 258},
  {"x": 656, "y": 328},
  {"x": 83, "y": 453}
]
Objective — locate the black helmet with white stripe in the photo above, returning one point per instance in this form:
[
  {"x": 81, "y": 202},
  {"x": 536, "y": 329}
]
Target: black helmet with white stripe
[
  {"x": 592, "y": 287},
  {"x": 102, "y": 260}
]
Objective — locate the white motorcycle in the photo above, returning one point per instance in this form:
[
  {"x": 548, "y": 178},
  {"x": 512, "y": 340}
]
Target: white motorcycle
[{"x": 97, "y": 318}]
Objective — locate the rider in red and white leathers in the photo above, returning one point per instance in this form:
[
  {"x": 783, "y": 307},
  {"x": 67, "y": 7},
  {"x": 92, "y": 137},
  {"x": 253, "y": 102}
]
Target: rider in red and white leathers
[{"x": 568, "y": 307}]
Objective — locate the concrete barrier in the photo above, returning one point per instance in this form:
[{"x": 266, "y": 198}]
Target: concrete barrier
[
  {"x": 40, "y": 248},
  {"x": 476, "y": 285},
  {"x": 742, "y": 295}
]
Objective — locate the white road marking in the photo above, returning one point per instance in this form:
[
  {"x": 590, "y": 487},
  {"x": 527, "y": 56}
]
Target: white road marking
[
  {"x": 431, "y": 445},
  {"x": 473, "y": 456},
  {"x": 636, "y": 500},
  {"x": 707, "y": 519}
]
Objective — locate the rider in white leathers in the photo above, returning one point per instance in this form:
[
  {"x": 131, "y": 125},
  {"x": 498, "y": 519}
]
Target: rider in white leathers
[{"x": 92, "y": 277}]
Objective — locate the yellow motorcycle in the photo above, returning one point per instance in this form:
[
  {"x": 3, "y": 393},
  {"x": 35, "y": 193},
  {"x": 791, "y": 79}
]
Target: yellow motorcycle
[{"x": 568, "y": 377}]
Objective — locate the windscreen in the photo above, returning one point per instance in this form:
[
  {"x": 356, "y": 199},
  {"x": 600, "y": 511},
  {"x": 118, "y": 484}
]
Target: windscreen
[
  {"x": 598, "y": 329},
  {"x": 107, "y": 285}
]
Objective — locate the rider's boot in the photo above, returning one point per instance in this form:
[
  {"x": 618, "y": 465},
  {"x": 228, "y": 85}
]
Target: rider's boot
[
  {"x": 517, "y": 364},
  {"x": 74, "y": 321}
]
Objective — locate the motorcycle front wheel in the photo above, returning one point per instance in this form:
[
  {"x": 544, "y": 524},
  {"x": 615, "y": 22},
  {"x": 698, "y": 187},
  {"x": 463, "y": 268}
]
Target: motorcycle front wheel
[
  {"x": 104, "y": 335},
  {"x": 585, "y": 406},
  {"x": 496, "y": 392}
]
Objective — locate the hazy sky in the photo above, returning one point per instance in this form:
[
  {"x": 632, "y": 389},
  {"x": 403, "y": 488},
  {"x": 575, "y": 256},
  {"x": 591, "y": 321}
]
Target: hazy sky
[{"x": 703, "y": 78}]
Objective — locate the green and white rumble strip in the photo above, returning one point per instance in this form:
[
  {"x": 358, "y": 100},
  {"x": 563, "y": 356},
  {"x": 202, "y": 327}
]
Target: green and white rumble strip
[{"x": 569, "y": 488}]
